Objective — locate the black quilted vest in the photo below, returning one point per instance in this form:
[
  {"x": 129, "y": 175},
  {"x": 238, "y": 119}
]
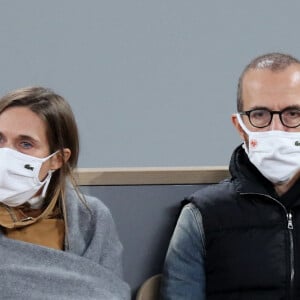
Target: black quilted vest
[{"x": 252, "y": 239}]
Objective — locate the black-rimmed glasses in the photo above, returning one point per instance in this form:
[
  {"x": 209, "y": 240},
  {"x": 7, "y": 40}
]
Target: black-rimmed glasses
[{"x": 260, "y": 118}]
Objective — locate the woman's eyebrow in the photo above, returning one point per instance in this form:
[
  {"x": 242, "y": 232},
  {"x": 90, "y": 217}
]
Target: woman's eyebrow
[{"x": 27, "y": 137}]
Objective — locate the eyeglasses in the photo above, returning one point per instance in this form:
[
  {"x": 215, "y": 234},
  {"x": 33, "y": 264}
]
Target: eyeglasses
[{"x": 260, "y": 118}]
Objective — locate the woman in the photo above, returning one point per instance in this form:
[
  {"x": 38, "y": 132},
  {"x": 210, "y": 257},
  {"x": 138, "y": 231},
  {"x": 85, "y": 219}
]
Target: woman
[{"x": 54, "y": 241}]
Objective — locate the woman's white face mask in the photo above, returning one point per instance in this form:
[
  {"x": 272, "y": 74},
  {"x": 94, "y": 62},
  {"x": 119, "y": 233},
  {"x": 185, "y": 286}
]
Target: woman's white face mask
[
  {"x": 19, "y": 177},
  {"x": 276, "y": 154}
]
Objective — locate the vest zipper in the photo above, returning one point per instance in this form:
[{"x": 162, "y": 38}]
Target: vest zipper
[{"x": 290, "y": 227}]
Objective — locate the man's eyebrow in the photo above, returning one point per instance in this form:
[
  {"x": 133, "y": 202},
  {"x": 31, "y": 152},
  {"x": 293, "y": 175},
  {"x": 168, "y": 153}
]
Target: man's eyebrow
[
  {"x": 293, "y": 107},
  {"x": 258, "y": 107},
  {"x": 264, "y": 107}
]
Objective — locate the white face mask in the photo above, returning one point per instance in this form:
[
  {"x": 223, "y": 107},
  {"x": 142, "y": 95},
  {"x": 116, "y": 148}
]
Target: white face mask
[
  {"x": 19, "y": 177},
  {"x": 276, "y": 154}
]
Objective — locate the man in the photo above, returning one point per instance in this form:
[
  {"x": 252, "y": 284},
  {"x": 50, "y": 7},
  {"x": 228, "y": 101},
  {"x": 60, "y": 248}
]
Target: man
[{"x": 240, "y": 239}]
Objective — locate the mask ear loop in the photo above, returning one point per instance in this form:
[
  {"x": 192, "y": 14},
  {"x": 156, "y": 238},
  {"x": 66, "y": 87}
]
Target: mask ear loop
[
  {"x": 48, "y": 178},
  {"x": 46, "y": 183},
  {"x": 238, "y": 116}
]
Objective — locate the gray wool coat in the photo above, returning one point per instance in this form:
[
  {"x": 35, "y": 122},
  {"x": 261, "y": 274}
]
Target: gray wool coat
[{"x": 89, "y": 268}]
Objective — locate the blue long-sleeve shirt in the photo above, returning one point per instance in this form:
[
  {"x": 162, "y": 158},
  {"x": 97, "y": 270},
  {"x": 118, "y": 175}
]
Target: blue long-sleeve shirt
[{"x": 184, "y": 273}]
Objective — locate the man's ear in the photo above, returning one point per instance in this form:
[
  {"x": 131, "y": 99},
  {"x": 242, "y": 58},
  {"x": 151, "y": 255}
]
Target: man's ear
[
  {"x": 59, "y": 158},
  {"x": 238, "y": 127}
]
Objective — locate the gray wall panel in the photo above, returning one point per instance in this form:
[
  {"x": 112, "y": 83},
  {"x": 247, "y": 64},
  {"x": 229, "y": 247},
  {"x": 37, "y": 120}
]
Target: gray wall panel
[
  {"x": 152, "y": 83},
  {"x": 145, "y": 217}
]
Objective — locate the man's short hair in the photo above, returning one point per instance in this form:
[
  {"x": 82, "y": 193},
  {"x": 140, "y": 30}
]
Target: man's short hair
[{"x": 270, "y": 61}]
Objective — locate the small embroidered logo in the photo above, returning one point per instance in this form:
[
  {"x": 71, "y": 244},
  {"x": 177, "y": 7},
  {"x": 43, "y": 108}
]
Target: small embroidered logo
[
  {"x": 297, "y": 143},
  {"x": 28, "y": 167},
  {"x": 253, "y": 143}
]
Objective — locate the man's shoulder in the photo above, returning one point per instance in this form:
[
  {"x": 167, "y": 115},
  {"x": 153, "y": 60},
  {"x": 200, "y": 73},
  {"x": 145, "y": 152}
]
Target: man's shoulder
[{"x": 222, "y": 191}]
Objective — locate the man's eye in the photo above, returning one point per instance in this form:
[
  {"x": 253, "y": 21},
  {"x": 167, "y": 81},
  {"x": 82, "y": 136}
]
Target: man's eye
[
  {"x": 259, "y": 114},
  {"x": 293, "y": 113}
]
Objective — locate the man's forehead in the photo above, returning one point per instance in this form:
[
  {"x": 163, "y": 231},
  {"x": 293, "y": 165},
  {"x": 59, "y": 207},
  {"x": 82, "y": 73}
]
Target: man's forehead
[
  {"x": 272, "y": 89},
  {"x": 284, "y": 78}
]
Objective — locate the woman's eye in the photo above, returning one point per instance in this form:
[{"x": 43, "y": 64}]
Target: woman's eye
[{"x": 26, "y": 145}]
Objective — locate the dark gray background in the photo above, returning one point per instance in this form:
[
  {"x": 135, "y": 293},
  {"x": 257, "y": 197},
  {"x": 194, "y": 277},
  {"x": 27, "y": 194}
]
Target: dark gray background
[
  {"x": 145, "y": 217},
  {"x": 152, "y": 83}
]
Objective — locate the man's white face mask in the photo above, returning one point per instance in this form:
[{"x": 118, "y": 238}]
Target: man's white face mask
[
  {"x": 19, "y": 177},
  {"x": 276, "y": 154}
]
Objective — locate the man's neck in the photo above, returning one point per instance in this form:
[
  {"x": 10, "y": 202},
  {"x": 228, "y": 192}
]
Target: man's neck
[{"x": 284, "y": 187}]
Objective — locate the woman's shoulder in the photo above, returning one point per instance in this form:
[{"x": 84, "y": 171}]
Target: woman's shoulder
[
  {"x": 84, "y": 204},
  {"x": 94, "y": 202}
]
